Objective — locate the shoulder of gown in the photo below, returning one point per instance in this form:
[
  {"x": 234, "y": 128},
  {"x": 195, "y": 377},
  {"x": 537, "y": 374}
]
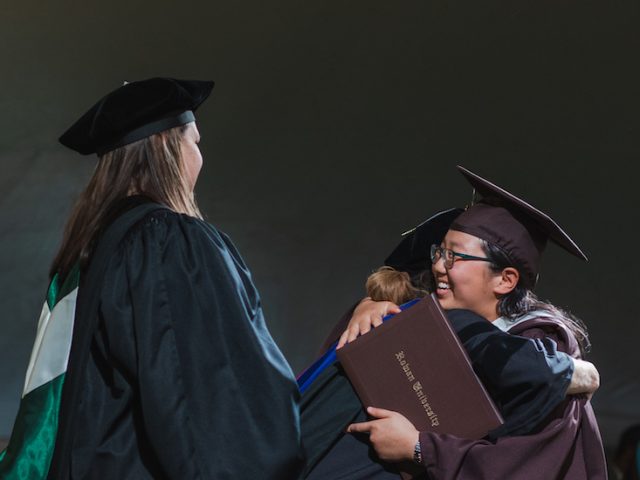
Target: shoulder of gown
[{"x": 212, "y": 383}]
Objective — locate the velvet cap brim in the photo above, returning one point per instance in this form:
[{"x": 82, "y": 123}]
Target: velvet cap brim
[
  {"x": 509, "y": 222},
  {"x": 134, "y": 111},
  {"x": 412, "y": 254}
]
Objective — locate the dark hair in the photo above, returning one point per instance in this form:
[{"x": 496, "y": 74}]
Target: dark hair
[
  {"x": 522, "y": 300},
  {"x": 424, "y": 280},
  {"x": 152, "y": 167}
]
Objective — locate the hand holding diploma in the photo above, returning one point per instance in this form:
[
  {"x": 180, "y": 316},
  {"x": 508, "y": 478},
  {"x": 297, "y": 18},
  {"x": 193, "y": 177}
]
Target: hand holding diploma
[{"x": 392, "y": 436}]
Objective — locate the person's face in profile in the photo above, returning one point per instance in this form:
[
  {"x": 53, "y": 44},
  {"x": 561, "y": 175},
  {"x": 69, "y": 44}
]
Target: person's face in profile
[
  {"x": 467, "y": 284},
  {"x": 191, "y": 155}
]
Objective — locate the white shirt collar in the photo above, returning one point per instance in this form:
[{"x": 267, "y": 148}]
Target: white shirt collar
[{"x": 505, "y": 324}]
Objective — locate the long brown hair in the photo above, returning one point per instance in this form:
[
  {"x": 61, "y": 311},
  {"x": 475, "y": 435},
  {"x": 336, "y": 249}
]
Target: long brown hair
[{"x": 152, "y": 167}]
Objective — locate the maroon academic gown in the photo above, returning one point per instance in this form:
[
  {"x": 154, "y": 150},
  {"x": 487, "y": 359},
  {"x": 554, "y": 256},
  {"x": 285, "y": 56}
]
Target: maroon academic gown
[{"x": 567, "y": 446}]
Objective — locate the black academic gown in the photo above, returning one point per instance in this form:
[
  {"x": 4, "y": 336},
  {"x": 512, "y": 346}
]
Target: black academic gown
[
  {"x": 183, "y": 380},
  {"x": 527, "y": 379}
]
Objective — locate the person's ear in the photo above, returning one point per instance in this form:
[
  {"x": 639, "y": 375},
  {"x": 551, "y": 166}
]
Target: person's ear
[{"x": 507, "y": 281}]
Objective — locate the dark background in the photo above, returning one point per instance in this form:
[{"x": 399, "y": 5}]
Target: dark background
[{"x": 335, "y": 126}]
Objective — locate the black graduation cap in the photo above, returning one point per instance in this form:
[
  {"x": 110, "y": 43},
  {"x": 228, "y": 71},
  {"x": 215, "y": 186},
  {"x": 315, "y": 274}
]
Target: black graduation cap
[
  {"x": 412, "y": 255},
  {"x": 514, "y": 225},
  {"x": 135, "y": 111}
]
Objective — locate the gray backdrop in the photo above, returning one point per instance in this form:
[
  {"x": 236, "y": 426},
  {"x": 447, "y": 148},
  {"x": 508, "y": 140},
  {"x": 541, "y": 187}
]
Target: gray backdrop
[{"x": 335, "y": 126}]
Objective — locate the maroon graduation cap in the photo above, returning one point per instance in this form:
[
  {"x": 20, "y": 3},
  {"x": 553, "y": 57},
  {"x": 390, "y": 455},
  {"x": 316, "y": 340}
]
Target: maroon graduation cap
[{"x": 512, "y": 224}]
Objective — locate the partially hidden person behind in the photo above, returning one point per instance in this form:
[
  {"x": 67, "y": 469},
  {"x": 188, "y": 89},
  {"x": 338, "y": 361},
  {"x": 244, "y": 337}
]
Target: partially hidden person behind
[
  {"x": 488, "y": 263},
  {"x": 152, "y": 358}
]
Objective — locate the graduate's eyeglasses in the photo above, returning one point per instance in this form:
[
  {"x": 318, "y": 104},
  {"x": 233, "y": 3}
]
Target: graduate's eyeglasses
[{"x": 450, "y": 257}]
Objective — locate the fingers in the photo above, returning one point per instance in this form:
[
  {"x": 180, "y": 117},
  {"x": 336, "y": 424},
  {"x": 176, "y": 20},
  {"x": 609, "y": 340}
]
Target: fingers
[
  {"x": 379, "y": 412},
  {"x": 387, "y": 308},
  {"x": 343, "y": 339},
  {"x": 364, "y": 327},
  {"x": 366, "y": 427},
  {"x": 595, "y": 378},
  {"x": 349, "y": 335},
  {"x": 354, "y": 331},
  {"x": 362, "y": 427},
  {"x": 585, "y": 378},
  {"x": 393, "y": 308},
  {"x": 368, "y": 314}
]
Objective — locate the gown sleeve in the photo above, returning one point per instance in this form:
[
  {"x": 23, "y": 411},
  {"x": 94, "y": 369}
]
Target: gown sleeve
[
  {"x": 535, "y": 416},
  {"x": 526, "y": 377},
  {"x": 216, "y": 396}
]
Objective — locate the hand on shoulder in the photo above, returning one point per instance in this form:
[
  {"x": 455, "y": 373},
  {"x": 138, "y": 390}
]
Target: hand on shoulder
[
  {"x": 368, "y": 314},
  {"x": 585, "y": 378}
]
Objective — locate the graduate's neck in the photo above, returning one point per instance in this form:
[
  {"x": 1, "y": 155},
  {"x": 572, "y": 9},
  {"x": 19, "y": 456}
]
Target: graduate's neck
[{"x": 489, "y": 311}]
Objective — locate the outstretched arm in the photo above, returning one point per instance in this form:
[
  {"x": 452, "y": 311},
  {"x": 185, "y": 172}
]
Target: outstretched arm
[{"x": 584, "y": 378}]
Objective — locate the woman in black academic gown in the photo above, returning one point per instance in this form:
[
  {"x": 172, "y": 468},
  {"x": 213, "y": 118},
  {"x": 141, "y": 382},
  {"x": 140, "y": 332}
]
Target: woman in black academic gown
[{"x": 171, "y": 370}]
